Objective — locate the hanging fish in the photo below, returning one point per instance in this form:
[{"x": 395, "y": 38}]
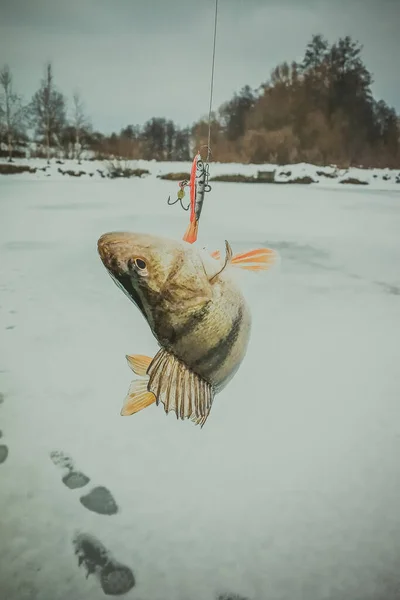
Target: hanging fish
[
  {"x": 196, "y": 312},
  {"x": 198, "y": 184}
]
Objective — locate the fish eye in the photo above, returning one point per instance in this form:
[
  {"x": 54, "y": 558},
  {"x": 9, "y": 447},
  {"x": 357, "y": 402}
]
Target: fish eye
[{"x": 141, "y": 265}]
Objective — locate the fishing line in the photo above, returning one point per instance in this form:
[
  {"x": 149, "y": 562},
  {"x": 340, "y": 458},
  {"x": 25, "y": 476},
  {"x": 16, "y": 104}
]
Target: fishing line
[
  {"x": 212, "y": 82},
  {"x": 200, "y": 168}
]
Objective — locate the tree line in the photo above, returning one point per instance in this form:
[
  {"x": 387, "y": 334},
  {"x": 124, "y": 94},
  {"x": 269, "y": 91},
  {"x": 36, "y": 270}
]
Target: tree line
[{"x": 319, "y": 110}]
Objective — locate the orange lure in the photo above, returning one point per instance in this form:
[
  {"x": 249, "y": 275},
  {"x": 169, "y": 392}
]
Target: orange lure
[{"x": 198, "y": 186}]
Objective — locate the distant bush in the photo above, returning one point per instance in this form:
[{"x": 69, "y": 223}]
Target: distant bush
[
  {"x": 122, "y": 169},
  {"x": 236, "y": 179},
  {"x": 354, "y": 181},
  {"x": 11, "y": 169},
  {"x": 127, "y": 173},
  {"x": 72, "y": 173},
  {"x": 328, "y": 175},
  {"x": 305, "y": 179},
  {"x": 174, "y": 176},
  {"x": 264, "y": 179}
]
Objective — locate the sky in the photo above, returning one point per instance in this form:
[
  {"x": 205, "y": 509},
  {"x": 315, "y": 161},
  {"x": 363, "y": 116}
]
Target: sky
[{"x": 132, "y": 59}]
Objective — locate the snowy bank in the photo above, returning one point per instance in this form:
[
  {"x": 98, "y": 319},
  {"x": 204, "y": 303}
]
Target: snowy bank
[{"x": 302, "y": 173}]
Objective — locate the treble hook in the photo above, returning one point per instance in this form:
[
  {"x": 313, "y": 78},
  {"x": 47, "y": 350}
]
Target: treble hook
[
  {"x": 181, "y": 193},
  {"x": 178, "y": 200}
]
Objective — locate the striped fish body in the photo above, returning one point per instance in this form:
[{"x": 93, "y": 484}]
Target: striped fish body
[
  {"x": 213, "y": 340},
  {"x": 196, "y": 312}
]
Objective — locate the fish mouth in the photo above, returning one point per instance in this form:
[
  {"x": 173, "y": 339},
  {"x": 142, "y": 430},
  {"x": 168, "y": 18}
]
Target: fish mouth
[
  {"x": 124, "y": 283},
  {"x": 113, "y": 256}
]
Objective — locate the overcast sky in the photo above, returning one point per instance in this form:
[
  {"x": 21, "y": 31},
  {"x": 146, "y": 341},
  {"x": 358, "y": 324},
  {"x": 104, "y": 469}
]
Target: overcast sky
[{"x": 134, "y": 59}]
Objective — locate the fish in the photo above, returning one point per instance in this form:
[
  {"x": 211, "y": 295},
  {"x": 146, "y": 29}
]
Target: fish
[
  {"x": 196, "y": 312},
  {"x": 198, "y": 186}
]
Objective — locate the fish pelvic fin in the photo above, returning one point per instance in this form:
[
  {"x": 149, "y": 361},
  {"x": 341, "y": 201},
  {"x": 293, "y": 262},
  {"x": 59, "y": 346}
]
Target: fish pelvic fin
[
  {"x": 139, "y": 363},
  {"x": 191, "y": 232},
  {"x": 260, "y": 259},
  {"x": 138, "y": 397},
  {"x": 179, "y": 388}
]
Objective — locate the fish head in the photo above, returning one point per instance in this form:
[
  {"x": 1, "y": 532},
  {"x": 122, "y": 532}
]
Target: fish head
[{"x": 160, "y": 276}]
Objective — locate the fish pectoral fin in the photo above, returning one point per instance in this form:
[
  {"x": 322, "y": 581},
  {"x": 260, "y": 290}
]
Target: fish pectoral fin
[
  {"x": 191, "y": 232},
  {"x": 138, "y": 397},
  {"x": 260, "y": 259},
  {"x": 139, "y": 363},
  {"x": 179, "y": 388}
]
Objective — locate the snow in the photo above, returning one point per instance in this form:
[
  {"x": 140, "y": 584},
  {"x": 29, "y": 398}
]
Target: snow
[
  {"x": 381, "y": 179},
  {"x": 291, "y": 489}
]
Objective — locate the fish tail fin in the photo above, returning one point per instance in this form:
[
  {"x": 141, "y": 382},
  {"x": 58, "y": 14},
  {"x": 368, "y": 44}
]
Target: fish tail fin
[
  {"x": 138, "y": 397},
  {"x": 191, "y": 232},
  {"x": 260, "y": 259},
  {"x": 179, "y": 388}
]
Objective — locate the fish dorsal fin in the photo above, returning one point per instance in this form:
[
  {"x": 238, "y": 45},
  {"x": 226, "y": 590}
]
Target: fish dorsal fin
[
  {"x": 179, "y": 388},
  {"x": 228, "y": 258}
]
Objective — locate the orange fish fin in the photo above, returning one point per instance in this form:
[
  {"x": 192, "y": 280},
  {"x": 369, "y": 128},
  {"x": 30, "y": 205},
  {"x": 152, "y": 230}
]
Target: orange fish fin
[
  {"x": 138, "y": 398},
  {"x": 179, "y": 388},
  {"x": 191, "y": 232},
  {"x": 216, "y": 254},
  {"x": 139, "y": 363},
  {"x": 260, "y": 259}
]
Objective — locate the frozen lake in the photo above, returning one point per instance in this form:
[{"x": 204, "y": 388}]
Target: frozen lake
[{"x": 292, "y": 489}]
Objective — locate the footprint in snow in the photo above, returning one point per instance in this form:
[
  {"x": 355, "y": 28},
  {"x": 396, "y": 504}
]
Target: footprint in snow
[
  {"x": 114, "y": 577},
  {"x": 231, "y": 597},
  {"x": 98, "y": 500},
  {"x": 3, "y": 447}
]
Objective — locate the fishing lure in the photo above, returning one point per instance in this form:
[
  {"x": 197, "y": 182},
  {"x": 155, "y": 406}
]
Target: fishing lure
[{"x": 198, "y": 185}]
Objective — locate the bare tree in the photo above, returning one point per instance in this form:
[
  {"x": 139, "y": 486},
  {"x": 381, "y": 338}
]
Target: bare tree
[
  {"x": 48, "y": 111},
  {"x": 80, "y": 124},
  {"x": 2, "y": 125},
  {"x": 12, "y": 112}
]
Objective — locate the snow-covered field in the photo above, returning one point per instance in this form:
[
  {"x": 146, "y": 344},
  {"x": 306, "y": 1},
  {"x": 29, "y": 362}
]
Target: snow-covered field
[
  {"x": 330, "y": 176},
  {"x": 291, "y": 491}
]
